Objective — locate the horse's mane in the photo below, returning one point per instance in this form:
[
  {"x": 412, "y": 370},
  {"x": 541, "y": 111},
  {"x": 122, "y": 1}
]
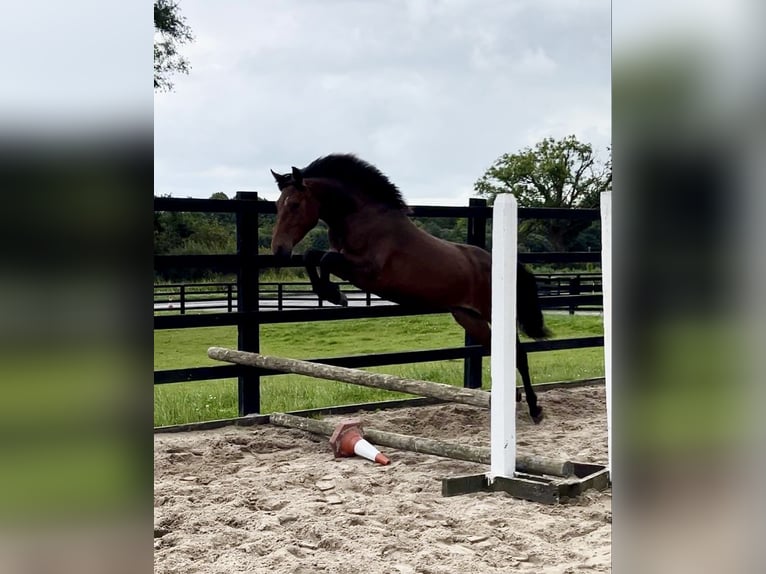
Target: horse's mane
[{"x": 349, "y": 169}]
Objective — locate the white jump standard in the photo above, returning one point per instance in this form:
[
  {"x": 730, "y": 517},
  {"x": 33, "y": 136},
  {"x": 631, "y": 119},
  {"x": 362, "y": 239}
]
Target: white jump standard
[{"x": 504, "y": 474}]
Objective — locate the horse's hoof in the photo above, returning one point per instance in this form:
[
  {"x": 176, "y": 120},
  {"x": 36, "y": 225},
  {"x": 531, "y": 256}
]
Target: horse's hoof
[
  {"x": 537, "y": 419},
  {"x": 332, "y": 294},
  {"x": 337, "y": 299},
  {"x": 518, "y": 396}
]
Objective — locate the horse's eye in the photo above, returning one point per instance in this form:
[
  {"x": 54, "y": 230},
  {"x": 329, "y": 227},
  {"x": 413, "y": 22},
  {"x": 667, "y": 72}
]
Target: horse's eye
[{"x": 294, "y": 206}]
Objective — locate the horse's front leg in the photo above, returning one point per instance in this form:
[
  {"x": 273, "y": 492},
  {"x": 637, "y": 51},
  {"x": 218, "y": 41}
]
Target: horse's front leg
[
  {"x": 334, "y": 263},
  {"x": 319, "y": 266},
  {"x": 311, "y": 259}
]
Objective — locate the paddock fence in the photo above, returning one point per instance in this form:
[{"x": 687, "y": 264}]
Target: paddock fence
[
  {"x": 242, "y": 306},
  {"x": 191, "y": 297}
]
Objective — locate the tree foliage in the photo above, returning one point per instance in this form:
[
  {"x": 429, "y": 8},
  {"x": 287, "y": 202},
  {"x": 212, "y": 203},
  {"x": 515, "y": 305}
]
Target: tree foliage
[
  {"x": 555, "y": 173},
  {"x": 170, "y": 31}
]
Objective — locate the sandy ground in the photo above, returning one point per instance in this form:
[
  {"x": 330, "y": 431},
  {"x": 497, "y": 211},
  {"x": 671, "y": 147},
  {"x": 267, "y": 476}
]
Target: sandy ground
[{"x": 266, "y": 499}]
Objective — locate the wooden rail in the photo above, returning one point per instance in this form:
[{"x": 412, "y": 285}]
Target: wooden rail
[
  {"x": 474, "y": 397},
  {"x": 479, "y": 454}
]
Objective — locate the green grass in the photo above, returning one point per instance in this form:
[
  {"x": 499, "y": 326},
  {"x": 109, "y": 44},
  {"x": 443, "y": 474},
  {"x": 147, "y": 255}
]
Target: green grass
[{"x": 197, "y": 401}]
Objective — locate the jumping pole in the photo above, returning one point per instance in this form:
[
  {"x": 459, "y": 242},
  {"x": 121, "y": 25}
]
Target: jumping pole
[
  {"x": 478, "y": 454},
  {"x": 474, "y": 397}
]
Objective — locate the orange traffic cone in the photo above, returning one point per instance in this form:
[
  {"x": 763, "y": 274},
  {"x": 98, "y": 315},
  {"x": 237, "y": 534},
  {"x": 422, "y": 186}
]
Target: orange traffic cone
[{"x": 348, "y": 440}]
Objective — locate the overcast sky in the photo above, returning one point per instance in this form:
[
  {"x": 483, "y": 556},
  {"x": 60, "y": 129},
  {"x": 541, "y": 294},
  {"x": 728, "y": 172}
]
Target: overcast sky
[{"x": 431, "y": 92}]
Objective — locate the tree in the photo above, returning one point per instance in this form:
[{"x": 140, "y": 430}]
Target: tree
[
  {"x": 170, "y": 30},
  {"x": 555, "y": 173}
]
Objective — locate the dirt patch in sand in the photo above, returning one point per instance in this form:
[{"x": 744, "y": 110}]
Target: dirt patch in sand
[{"x": 265, "y": 499}]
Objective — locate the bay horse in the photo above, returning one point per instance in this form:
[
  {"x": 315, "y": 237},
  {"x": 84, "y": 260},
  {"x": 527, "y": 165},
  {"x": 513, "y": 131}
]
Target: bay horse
[{"x": 376, "y": 247}]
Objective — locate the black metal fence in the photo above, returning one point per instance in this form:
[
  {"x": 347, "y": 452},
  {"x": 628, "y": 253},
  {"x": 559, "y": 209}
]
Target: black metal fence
[
  {"x": 183, "y": 297},
  {"x": 244, "y": 311}
]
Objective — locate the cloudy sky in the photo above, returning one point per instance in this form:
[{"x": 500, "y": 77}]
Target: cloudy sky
[{"x": 431, "y": 92}]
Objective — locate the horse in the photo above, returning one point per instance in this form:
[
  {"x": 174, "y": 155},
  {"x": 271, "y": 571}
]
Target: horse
[{"x": 376, "y": 247}]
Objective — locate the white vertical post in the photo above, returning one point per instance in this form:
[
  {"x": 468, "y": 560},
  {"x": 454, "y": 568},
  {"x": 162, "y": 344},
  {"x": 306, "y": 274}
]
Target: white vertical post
[
  {"x": 503, "y": 348},
  {"x": 606, "y": 280}
]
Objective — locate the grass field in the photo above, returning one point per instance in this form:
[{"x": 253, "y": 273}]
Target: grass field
[{"x": 197, "y": 401}]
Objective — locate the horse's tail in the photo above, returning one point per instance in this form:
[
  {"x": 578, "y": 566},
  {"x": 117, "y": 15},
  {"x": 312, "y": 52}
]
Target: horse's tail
[{"x": 528, "y": 310}]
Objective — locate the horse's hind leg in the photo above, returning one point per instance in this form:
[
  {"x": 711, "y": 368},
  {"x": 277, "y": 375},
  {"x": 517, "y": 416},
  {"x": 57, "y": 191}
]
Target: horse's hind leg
[
  {"x": 535, "y": 411},
  {"x": 478, "y": 329},
  {"x": 474, "y": 325}
]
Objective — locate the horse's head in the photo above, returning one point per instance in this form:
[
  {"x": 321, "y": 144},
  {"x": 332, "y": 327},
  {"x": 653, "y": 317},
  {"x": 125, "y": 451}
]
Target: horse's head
[{"x": 297, "y": 212}]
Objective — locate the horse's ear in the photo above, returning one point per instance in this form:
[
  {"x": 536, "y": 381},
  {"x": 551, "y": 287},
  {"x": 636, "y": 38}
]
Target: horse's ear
[
  {"x": 297, "y": 177},
  {"x": 282, "y": 179}
]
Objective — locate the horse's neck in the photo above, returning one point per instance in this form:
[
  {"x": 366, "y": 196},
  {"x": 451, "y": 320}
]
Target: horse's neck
[{"x": 355, "y": 230}]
